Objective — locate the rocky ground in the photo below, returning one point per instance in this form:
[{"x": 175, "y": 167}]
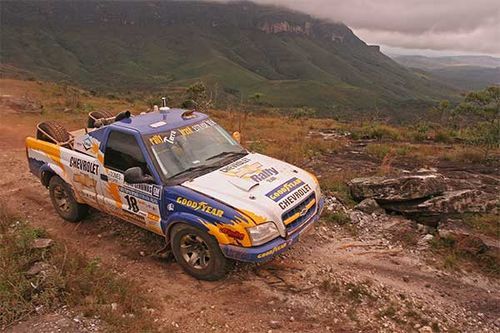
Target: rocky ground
[{"x": 369, "y": 272}]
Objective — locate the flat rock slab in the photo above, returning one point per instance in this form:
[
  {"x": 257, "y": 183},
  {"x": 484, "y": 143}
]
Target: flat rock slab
[
  {"x": 41, "y": 243},
  {"x": 37, "y": 268},
  {"x": 449, "y": 203},
  {"x": 396, "y": 189}
]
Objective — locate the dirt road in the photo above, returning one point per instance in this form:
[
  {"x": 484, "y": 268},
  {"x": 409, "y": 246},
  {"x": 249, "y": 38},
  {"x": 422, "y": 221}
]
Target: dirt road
[{"x": 334, "y": 280}]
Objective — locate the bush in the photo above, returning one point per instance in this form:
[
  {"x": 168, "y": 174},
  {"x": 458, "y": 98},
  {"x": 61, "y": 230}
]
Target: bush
[
  {"x": 338, "y": 218},
  {"x": 302, "y": 113},
  {"x": 376, "y": 132}
]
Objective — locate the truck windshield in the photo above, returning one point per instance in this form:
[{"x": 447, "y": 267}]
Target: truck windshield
[{"x": 195, "y": 147}]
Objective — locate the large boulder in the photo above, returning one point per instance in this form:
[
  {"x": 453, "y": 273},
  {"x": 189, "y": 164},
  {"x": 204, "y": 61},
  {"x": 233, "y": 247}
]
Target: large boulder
[
  {"x": 397, "y": 189},
  {"x": 434, "y": 209}
]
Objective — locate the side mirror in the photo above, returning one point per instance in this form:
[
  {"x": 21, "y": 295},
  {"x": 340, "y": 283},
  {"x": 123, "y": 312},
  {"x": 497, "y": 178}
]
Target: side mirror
[
  {"x": 136, "y": 176},
  {"x": 237, "y": 136}
]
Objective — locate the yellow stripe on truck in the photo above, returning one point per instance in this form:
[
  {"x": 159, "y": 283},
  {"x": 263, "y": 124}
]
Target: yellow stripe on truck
[
  {"x": 297, "y": 215},
  {"x": 53, "y": 151}
]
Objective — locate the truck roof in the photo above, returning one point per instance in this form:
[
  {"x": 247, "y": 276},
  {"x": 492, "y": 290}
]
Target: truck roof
[{"x": 158, "y": 122}]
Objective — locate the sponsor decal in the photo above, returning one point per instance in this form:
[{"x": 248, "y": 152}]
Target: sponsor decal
[
  {"x": 281, "y": 191},
  {"x": 272, "y": 251},
  {"x": 87, "y": 143},
  {"x": 264, "y": 174},
  {"x": 152, "y": 190},
  {"x": 245, "y": 170},
  {"x": 156, "y": 192},
  {"x": 147, "y": 188},
  {"x": 157, "y": 124},
  {"x": 84, "y": 180},
  {"x": 153, "y": 217},
  {"x": 254, "y": 171},
  {"x": 292, "y": 198},
  {"x": 232, "y": 233},
  {"x": 184, "y": 131},
  {"x": 133, "y": 217},
  {"x": 114, "y": 175},
  {"x": 83, "y": 165},
  {"x": 131, "y": 191},
  {"x": 170, "y": 207},
  {"x": 203, "y": 206},
  {"x": 235, "y": 165},
  {"x": 158, "y": 139}
]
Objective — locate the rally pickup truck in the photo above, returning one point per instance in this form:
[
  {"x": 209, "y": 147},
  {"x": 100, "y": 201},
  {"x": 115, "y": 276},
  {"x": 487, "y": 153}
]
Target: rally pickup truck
[{"x": 180, "y": 175}]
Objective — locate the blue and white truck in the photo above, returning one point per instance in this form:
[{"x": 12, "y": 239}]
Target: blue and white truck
[{"x": 180, "y": 175}]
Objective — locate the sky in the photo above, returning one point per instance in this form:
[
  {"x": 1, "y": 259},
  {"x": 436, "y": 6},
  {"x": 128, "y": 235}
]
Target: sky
[{"x": 427, "y": 27}]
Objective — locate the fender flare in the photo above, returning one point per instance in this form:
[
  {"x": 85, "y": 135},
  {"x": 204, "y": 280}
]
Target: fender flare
[
  {"x": 188, "y": 219},
  {"x": 180, "y": 217},
  {"x": 49, "y": 170},
  {"x": 46, "y": 173}
]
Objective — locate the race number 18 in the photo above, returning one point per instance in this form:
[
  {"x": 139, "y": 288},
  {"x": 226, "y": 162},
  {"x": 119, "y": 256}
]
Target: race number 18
[{"x": 132, "y": 203}]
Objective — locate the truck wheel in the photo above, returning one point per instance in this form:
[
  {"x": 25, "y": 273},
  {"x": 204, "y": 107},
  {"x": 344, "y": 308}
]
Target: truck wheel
[
  {"x": 64, "y": 202},
  {"x": 94, "y": 115},
  {"x": 54, "y": 129},
  {"x": 198, "y": 253}
]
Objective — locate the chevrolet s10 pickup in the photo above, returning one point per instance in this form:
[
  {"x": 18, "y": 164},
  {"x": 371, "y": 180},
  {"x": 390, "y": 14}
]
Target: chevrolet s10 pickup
[{"x": 180, "y": 175}]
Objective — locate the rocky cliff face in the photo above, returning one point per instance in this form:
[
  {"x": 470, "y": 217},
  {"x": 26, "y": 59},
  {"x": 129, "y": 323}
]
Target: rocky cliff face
[
  {"x": 284, "y": 26},
  {"x": 306, "y": 29}
]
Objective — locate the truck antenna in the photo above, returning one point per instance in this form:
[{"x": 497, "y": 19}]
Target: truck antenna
[{"x": 164, "y": 108}]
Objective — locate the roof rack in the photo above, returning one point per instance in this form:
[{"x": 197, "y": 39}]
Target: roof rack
[{"x": 106, "y": 121}]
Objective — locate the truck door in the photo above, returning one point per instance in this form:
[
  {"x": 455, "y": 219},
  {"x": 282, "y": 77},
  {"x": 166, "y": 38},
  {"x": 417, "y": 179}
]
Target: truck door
[{"x": 136, "y": 203}]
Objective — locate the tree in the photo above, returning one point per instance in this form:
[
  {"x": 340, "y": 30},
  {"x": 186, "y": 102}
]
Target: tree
[
  {"x": 197, "y": 97},
  {"x": 482, "y": 111},
  {"x": 442, "y": 112},
  {"x": 484, "y": 104}
]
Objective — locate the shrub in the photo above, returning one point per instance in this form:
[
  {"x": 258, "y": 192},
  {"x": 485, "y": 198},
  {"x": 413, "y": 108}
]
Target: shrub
[
  {"x": 302, "y": 113},
  {"x": 338, "y": 218}
]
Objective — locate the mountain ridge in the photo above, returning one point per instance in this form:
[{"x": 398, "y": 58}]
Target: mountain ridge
[
  {"x": 462, "y": 72},
  {"x": 291, "y": 58}
]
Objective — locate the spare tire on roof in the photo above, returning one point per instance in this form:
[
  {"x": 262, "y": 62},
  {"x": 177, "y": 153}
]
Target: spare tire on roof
[
  {"x": 53, "y": 132},
  {"x": 95, "y": 115}
]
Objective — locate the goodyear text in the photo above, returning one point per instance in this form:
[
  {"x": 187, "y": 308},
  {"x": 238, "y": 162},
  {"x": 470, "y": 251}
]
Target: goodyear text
[
  {"x": 281, "y": 191},
  {"x": 203, "y": 206}
]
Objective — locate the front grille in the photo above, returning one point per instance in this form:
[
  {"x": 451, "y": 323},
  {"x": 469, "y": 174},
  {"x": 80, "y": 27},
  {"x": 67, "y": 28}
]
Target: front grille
[{"x": 297, "y": 219}]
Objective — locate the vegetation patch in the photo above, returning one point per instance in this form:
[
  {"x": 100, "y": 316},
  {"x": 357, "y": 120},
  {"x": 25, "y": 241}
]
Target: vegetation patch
[
  {"x": 338, "y": 218},
  {"x": 467, "y": 251},
  {"x": 42, "y": 279},
  {"x": 486, "y": 224}
]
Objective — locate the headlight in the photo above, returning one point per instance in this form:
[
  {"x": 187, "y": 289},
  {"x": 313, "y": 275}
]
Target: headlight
[{"x": 263, "y": 233}]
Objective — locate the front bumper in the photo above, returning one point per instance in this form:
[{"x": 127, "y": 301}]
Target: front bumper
[{"x": 273, "y": 248}]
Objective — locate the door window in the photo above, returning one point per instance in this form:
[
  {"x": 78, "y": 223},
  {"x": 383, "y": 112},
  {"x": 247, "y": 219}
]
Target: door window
[{"x": 123, "y": 152}]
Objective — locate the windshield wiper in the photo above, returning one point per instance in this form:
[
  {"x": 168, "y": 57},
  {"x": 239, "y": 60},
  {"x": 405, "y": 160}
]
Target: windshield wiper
[
  {"x": 195, "y": 168},
  {"x": 228, "y": 153}
]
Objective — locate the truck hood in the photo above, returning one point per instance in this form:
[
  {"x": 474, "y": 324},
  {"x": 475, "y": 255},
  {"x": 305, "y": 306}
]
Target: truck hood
[{"x": 258, "y": 185}]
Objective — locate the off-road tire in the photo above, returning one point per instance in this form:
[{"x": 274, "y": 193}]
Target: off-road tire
[
  {"x": 218, "y": 265},
  {"x": 98, "y": 115},
  {"x": 68, "y": 208},
  {"x": 55, "y": 130}
]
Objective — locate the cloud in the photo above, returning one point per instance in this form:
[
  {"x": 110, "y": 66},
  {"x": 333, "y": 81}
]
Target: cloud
[{"x": 459, "y": 25}]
